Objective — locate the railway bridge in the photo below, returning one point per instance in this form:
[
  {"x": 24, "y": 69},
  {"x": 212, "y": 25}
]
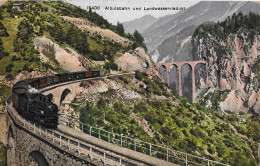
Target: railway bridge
[
  {"x": 32, "y": 144},
  {"x": 181, "y": 75}
]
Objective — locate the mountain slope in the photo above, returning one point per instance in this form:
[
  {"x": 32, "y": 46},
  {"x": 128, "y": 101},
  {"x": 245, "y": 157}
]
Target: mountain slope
[
  {"x": 139, "y": 24},
  {"x": 202, "y": 12},
  {"x": 176, "y": 48}
]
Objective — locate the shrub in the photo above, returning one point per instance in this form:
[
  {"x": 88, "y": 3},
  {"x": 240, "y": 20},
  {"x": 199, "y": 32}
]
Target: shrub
[
  {"x": 141, "y": 75},
  {"x": 218, "y": 128},
  {"x": 166, "y": 130},
  {"x": 192, "y": 143},
  {"x": 101, "y": 104},
  {"x": 196, "y": 132},
  {"x": 8, "y": 68},
  {"x": 221, "y": 149},
  {"x": 241, "y": 130},
  {"x": 233, "y": 117},
  {"x": 111, "y": 65},
  {"x": 4, "y": 92},
  {"x": 3, "y": 155},
  {"x": 186, "y": 132},
  {"x": 175, "y": 134},
  {"x": 212, "y": 149}
]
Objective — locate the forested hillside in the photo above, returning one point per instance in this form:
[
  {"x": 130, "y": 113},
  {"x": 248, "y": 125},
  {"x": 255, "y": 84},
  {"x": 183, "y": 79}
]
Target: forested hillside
[{"x": 18, "y": 28}]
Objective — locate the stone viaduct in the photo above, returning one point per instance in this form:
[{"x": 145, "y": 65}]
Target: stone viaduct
[{"x": 178, "y": 66}]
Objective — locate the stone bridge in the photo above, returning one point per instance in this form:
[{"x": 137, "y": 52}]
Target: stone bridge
[
  {"x": 177, "y": 74},
  {"x": 31, "y": 144}
]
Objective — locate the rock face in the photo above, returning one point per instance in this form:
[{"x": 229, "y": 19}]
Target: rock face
[
  {"x": 138, "y": 60},
  {"x": 54, "y": 54},
  {"x": 229, "y": 67},
  {"x": 176, "y": 48}
]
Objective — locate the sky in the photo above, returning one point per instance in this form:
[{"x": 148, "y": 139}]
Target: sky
[{"x": 114, "y": 16}]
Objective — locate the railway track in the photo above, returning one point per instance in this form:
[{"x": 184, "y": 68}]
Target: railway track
[{"x": 89, "y": 149}]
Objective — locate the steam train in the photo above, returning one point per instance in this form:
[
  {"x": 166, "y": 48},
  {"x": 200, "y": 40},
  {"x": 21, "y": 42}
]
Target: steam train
[{"x": 37, "y": 107}]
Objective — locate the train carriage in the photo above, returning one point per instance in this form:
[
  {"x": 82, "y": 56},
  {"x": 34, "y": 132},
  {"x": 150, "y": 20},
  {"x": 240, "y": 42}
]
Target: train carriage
[
  {"x": 71, "y": 76},
  {"x": 50, "y": 80},
  {"x": 42, "y": 82},
  {"x": 35, "y": 83},
  {"x": 56, "y": 79},
  {"x": 59, "y": 78},
  {"x": 96, "y": 73},
  {"x": 79, "y": 75},
  {"x": 64, "y": 77},
  {"x": 88, "y": 74}
]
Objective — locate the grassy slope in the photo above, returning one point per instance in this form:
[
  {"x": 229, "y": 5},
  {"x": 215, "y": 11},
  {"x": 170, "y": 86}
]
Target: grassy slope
[
  {"x": 185, "y": 127},
  {"x": 11, "y": 25},
  {"x": 5, "y": 91}
]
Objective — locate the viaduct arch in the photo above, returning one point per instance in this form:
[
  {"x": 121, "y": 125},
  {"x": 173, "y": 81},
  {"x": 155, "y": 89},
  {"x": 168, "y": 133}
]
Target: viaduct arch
[
  {"x": 64, "y": 93},
  {"x": 38, "y": 158},
  {"x": 166, "y": 67}
]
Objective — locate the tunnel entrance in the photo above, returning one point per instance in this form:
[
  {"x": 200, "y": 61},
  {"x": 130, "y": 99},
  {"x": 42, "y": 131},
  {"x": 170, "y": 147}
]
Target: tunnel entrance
[{"x": 37, "y": 158}]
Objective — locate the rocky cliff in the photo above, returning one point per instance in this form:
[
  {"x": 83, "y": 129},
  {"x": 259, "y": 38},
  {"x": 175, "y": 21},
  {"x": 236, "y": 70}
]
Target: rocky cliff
[{"x": 231, "y": 54}]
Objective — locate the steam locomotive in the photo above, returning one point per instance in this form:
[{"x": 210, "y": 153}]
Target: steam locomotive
[{"x": 37, "y": 107}]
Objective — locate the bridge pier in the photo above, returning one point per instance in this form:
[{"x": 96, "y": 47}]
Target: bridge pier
[
  {"x": 179, "y": 80},
  {"x": 193, "y": 84},
  {"x": 167, "y": 76}
]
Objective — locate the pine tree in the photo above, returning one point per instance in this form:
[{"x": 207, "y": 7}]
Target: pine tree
[
  {"x": 120, "y": 29},
  {"x": 71, "y": 37}
]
